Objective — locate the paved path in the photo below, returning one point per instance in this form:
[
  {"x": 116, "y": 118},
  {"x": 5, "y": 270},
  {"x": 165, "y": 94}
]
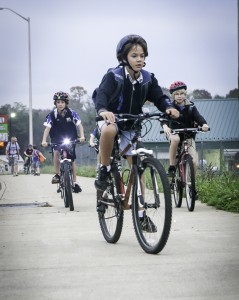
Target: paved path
[{"x": 52, "y": 253}]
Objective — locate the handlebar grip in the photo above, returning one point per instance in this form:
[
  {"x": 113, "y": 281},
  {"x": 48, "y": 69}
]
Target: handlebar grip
[{"x": 99, "y": 118}]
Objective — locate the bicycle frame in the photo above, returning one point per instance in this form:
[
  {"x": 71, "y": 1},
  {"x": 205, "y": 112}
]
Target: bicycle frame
[
  {"x": 136, "y": 159},
  {"x": 181, "y": 156}
]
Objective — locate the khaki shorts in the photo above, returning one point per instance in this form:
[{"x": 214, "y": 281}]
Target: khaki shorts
[
  {"x": 191, "y": 146},
  {"x": 125, "y": 137}
]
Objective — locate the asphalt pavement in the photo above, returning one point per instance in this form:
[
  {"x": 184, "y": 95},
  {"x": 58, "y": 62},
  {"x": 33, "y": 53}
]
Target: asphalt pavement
[{"x": 48, "y": 252}]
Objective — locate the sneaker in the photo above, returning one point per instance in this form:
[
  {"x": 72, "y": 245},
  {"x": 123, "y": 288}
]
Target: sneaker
[
  {"x": 102, "y": 180},
  {"x": 147, "y": 224},
  {"x": 77, "y": 188},
  {"x": 171, "y": 171},
  {"x": 55, "y": 179}
]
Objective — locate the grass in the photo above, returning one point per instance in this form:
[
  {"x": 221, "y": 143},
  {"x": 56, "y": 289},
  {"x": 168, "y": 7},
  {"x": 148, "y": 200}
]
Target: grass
[{"x": 85, "y": 171}]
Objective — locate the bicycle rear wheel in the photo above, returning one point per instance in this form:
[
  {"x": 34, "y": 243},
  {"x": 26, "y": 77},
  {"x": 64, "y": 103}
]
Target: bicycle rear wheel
[
  {"x": 110, "y": 212},
  {"x": 177, "y": 188},
  {"x": 28, "y": 168},
  {"x": 190, "y": 189},
  {"x": 68, "y": 198},
  {"x": 153, "y": 230}
]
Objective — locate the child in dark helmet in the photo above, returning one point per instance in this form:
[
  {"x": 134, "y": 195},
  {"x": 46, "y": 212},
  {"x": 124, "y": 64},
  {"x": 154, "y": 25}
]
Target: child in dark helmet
[
  {"x": 62, "y": 122},
  {"x": 189, "y": 117},
  {"x": 131, "y": 52},
  {"x": 28, "y": 155}
]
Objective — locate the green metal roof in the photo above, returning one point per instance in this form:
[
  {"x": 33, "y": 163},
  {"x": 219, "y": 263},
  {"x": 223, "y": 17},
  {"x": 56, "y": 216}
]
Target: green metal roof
[{"x": 222, "y": 116}]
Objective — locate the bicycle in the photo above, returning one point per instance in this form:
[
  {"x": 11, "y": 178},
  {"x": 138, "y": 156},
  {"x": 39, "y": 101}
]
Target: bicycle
[
  {"x": 150, "y": 188},
  {"x": 28, "y": 165},
  {"x": 184, "y": 176},
  {"x": 66, "y": 185}
]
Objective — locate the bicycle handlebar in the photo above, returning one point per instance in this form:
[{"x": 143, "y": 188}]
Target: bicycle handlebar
[
  {"x": 69, "y": 142},
  {"x": 186, "y": 130},
  {"x": 122, "y": 118}
]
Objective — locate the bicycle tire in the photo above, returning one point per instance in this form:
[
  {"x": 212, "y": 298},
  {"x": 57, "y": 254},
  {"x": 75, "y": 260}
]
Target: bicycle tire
[
  {"x": 158, "y": 206},
  {"x": 177, "y": 188},
  {"x": 190, "y": 188},
  {"x": 111, "y": 214},
  {"x": 68, "y": 198},
  {"x": 28, "y": 169}
]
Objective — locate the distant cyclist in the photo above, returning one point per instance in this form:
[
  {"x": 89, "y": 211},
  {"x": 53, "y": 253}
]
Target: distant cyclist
[
  {"x": 36, "y": 160},
  {"x": 62, "y": 122},
  {"x": 189, "y": 118},
  {"x": 27, "y": 155}
]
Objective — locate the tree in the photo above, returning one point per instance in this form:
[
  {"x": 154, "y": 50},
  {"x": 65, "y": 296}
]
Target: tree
[
  {"x": 201, "y": 94},
  {"x": 82, "y": 103},
  {"x": 77, "y": 92},
  {"x": 233, "y": 94},
  {"x": 218, "y": 97}
]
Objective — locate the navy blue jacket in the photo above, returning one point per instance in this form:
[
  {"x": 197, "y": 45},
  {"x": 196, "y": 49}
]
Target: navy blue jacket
[{"x": 132, "y": 97}]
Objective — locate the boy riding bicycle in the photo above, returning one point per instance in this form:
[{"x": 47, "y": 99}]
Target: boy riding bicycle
[
  {"x": 137, "y": 87},
  {"x": 189, "y": 117},
  {"x": 27, "y": 155},
  {"x": 62, "y": 122}
]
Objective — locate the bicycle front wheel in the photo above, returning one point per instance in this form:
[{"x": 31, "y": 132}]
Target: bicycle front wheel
[
  {"x": 110, "y": 212},
  {"x": 68, "y": 198},
  {"x": 190, "y": 188},
  {"x": 152, "y": 230},
  {"x": 177, "y": 188}
]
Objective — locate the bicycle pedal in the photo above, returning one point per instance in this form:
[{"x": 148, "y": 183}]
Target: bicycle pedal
[{"x": 59, "y": 190}]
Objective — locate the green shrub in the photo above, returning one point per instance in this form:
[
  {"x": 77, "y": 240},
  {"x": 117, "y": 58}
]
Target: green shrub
[{"x": 221, "y": 191}]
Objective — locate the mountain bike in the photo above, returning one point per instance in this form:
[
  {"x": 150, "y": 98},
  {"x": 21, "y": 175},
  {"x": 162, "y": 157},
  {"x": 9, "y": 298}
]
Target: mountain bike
[
  {"x": 183, "y": 179},
  {"x": 146, "y": 181},
  {"x": 28, "y": 165},
  {"x": 66, "y": 185}
]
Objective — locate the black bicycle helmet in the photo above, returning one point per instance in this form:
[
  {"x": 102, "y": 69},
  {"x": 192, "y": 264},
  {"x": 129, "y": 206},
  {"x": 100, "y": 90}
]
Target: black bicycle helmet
[
  {"x": 61, "y": 96},
  {"x": 129, "y": 39}
]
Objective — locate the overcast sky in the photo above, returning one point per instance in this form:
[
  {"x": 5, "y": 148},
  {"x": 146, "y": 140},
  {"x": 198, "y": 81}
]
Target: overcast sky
[{"x": 73, "y": 43}]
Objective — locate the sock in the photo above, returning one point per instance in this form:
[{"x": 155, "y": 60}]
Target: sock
[
  {"x": 107, "y": 167},
  {"x": 141, "y": 213}
]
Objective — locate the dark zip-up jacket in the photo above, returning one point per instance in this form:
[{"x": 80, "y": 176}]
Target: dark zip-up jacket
[
  {"x": 132, "y": 98},
  {"x": 189, "y": 118}
]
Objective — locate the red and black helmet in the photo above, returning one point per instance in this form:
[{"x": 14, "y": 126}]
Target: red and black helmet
[
  {"x": 177, "y": 85},
  {"x": 61, "y": 96}
]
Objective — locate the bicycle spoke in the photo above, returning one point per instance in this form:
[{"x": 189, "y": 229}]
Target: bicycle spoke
[
  {"x": 110, "y": 212},
  {"x": 153, "y": 229}
]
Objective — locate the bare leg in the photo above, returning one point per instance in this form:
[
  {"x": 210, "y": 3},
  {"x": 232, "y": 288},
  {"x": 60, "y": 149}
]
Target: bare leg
[
  {"x": 108, "y": 134},
  {"x": 56, "y": 162},
  {"x": 174, "y": 141}
]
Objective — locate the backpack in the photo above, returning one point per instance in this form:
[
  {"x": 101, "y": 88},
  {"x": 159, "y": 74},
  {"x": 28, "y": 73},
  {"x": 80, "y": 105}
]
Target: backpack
[
  {"x": 119, "y": 78},
  {"x": 40, "y": 157}
]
